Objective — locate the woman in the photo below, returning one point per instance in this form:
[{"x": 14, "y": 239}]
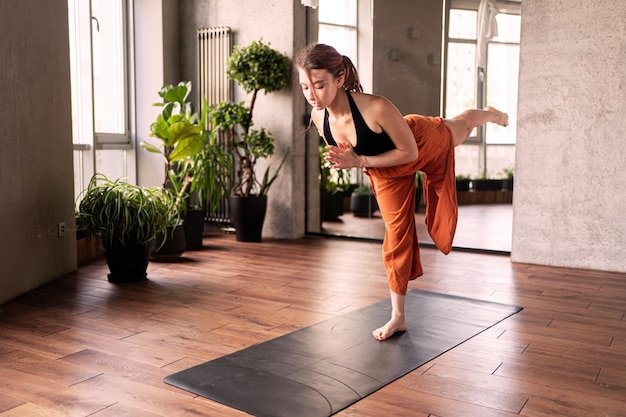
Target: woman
[{"x": 367, "y": 131}]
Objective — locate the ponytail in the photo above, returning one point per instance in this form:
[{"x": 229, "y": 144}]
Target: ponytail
[{"x": 351, "y": 80}]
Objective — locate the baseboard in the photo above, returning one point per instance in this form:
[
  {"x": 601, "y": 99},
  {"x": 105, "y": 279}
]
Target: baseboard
[{"x": 87, "y": 249}]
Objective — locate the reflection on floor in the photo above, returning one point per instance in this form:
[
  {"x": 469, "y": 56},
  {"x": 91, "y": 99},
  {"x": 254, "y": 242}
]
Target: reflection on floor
[{"x": 480, "y": 226}]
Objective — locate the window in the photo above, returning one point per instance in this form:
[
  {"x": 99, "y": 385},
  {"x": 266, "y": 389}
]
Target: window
[
  {"x": 338, "y": 26},
  {"x": 110, "y": 71},
  {"x": 101, "y": 114},
  {"x": 502, "y": 76},
  {"x": 468, "y": 88}
]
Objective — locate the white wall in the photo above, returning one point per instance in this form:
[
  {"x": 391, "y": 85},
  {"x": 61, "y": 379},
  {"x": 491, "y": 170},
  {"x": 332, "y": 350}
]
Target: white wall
[
  {"x": 157, "y": 61},
  {"x": 36, "y": 174},
  {"x": 570, "y": 175}
]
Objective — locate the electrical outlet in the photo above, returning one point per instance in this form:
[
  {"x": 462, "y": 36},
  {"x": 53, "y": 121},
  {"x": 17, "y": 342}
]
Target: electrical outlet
[{"x": 61, "y": 229}]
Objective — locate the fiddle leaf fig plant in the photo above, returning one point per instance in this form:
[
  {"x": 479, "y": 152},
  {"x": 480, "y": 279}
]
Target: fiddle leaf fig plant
[{"x": 182, "y": 136}]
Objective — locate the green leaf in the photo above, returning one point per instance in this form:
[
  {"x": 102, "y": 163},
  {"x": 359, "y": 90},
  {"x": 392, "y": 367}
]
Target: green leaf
[
  {"x": 150, "y": 147},
  {"x": 187, "y": 147},
  {"x": 178, "y": 93}
]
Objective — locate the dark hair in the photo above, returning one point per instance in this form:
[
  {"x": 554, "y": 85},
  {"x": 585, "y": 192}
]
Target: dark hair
[{"x": 320, "y": 56}]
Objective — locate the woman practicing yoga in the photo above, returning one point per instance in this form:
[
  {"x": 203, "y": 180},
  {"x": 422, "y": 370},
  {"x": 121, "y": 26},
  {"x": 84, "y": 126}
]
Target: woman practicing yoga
[{"x": 367, "y": 131}]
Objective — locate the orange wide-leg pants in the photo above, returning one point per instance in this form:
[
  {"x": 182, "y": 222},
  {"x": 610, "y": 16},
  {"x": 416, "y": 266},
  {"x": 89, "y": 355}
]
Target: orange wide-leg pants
[{"x": 394, "y": 188}]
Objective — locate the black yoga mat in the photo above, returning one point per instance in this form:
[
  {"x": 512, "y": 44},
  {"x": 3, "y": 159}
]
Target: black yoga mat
[{"x": 322, "y": 369}]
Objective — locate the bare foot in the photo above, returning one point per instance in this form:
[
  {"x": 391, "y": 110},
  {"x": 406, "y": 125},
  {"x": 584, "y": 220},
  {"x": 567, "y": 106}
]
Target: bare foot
[
  {"x": 393, "y": 326},
  {"x": 500, "y": 118}
]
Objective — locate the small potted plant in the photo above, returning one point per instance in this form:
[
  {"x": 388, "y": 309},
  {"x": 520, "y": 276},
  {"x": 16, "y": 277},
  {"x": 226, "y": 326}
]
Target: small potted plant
[
  {"x": 507, "y": 183},
  {"x": 334, "y": 184},
  {"x": 256, "y": 67},
  {"x": 126, "y": 218},
  {"x": 363, "y": 202},
  {"x": 484, "y": 183},
  {"x": 462, "y": 183}
]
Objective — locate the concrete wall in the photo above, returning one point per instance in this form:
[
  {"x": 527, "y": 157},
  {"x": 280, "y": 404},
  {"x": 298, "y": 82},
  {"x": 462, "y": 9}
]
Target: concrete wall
[
  {"x": 570, "y": 181},
  {"x": 36, "y": 173},
  {"x": 406, "y": 54}
]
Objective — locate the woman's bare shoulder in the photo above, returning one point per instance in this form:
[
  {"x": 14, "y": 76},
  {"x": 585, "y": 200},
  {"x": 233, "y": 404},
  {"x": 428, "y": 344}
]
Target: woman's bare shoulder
[
  {"x": 373, "y": 106},
  {"x": 374, "y": 102}
]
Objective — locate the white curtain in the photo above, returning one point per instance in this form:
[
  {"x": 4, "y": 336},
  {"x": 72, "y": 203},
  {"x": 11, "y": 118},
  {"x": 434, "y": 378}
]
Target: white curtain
[
  {"x": 487, "y": 29},
  {"x": 311, "y": 3}
]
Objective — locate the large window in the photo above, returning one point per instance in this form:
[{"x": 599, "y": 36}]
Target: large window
[
  {"x": 338, "y": 26},
  {"x": 502, "y": 75},
  {"x": 100, "y": 68},
  {"x": 110, "y": 71},
  {"x": 472, "y": 82}
]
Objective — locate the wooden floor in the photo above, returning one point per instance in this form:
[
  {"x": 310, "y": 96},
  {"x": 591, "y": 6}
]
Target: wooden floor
[{"x": 80, "y": 346}]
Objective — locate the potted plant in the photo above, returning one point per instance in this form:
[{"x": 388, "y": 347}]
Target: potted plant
[
  {"x": 182, "y": 136},
  {"x": 256, "y": 67},
  {"x": 462, "y": 183},
  {"x": 209, "y": 188},
  {"x": 334, "y": 185},
  {"x": 507, "y": 183},
  {"x": 484, "y": 183},
  {"x": 126, "y": 218},
  {"x": 363, "y": 202}
]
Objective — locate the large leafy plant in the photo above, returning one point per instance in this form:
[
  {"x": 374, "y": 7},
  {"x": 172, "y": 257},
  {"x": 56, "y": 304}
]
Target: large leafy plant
[
  {"x": 182, "y": 136},
  {"x": 256, "y": 67}
]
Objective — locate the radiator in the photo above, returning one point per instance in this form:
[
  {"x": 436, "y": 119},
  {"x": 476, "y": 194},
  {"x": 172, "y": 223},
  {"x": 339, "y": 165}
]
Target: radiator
[{"x": 214, "y": 48}]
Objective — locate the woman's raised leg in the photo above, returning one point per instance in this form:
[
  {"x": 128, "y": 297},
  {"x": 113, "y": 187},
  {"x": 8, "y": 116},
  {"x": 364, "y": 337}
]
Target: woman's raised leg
[{"x": 462, "y": 125}]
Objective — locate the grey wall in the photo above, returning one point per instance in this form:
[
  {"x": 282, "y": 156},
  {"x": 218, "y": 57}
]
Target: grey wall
[
  {"x": 406, "y": 54},
  {"x": 570, "y": 180},
  {"x": 36, "y": 174}
]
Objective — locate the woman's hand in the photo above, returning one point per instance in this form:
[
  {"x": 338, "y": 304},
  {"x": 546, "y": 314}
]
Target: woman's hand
[{"x": 343, "y": 156}]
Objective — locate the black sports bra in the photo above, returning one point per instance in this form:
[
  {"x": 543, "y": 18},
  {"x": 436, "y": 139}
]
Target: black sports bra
[{"x": 368, "y": 142}]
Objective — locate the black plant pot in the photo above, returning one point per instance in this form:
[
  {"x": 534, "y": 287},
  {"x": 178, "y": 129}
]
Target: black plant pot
[
  {"x": 463, "y": 185},
  {"x": 487, "y": 185},
  {"x": 332, "y": 205},
  {"x": 507, "y": 184},
  {"x": 172, "y": 249},
  {"x": 247, "y": 215},
  {"x": 194, "y": 228},
  {"x": 127, "y": 263},
  {"x": 363, "y": 205}
]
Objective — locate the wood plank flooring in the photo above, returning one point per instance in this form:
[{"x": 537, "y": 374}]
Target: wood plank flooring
[{"x": 80, "y": 346}]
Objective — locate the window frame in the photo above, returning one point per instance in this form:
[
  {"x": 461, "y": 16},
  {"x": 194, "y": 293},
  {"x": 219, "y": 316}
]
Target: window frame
[
  {"x": 481, "y": 79},
  {"x": 96, "y": 151},
  {"x": 107, "y": 140}
]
